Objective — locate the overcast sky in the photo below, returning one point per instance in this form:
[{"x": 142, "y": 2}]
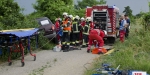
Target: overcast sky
[{"x": 136, "y": 5}]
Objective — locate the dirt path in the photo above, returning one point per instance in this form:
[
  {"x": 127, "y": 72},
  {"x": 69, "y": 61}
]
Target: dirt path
[{"x": 51, "y": 63}]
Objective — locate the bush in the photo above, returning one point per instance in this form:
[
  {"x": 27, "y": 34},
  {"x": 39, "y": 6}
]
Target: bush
[{"x": 133, "y": 54}]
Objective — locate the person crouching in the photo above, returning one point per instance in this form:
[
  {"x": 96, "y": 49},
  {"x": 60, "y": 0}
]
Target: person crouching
[{"x": 98, "y": 35}]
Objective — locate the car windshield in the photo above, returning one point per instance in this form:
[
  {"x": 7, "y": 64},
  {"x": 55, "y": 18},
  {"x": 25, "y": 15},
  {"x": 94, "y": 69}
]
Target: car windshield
[{"x": 46, "y": 22}]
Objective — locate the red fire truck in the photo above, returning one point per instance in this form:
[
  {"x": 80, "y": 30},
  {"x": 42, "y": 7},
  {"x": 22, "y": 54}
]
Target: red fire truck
[{"x": 108, "y": 17}]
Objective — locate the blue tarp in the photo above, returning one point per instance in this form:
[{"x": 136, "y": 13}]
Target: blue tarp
[{"x": 23, "y": 33}]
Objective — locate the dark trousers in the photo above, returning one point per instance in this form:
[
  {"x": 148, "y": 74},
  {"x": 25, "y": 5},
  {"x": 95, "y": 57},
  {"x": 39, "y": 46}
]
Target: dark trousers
[
  {"x": 65, "y": 38},
  {"x": 85, "y": 39},
  {"x": 65, "y": 41},
  {"x": 127, "y": 32},
  {"x": 75, "y": 38}
]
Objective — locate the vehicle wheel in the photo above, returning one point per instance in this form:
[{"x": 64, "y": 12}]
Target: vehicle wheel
[{"x": 112, "y": 40}]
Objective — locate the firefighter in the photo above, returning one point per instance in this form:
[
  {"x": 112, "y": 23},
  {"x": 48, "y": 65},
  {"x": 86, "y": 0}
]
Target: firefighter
[
  {"x": 97, "y": 35},
  {"x": 57, "y": 24},
  {"x": 71, "y": 20},
  {"x": 122, "y": 28},
  {"x": 86, "y": 30},
  {"x": 66, "y": 26},
  {"x": 82, "y": 25},
  {"x": 76, "y": 27}
]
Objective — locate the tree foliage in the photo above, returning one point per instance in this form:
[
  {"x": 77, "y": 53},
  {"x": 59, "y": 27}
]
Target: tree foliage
[
  {"x": 53, "y": 8},
  {"x": 128, "y": 11},
  {"x": 10, "y": 12},
  {"x": 84, "y": 3},
  {"x": 81, "y": 6}
]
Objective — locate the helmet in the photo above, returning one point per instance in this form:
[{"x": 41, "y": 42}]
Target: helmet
[
  {"x": 70, "y": 16},
  {"x": 77, "y": 17},
  {"x": 59, "y": 19},
  {"x": 82, "y": 18},
  {"x": 65, "y": 14},
  {"x": 88, "y": 19}
]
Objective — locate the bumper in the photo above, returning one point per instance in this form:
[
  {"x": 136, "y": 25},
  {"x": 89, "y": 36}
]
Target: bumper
[{"x": 50, "y": 36}]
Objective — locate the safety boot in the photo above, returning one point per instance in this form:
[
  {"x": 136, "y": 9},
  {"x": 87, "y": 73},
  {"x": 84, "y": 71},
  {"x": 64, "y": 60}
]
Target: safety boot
[
  {"x": 66, "y": 48},
  {"x": 88, "y": 50}
]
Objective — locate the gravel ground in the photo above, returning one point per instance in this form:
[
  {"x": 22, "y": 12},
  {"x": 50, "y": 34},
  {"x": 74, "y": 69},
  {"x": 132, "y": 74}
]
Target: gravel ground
[{"x": 51, "y": 63}]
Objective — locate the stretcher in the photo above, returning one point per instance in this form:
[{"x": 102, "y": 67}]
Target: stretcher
[{"x": 17, "y": 40}]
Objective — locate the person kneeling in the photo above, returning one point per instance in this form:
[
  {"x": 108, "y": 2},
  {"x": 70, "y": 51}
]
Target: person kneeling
[{"x": 98, "y": 35}]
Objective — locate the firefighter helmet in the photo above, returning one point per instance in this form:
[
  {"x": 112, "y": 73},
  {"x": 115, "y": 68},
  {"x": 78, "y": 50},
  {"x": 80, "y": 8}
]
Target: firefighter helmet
[
  {"x": 88, "y": 19},
  {"x": 82, "y": 18},
  {"x": 70, "y": 16},
  {"x": 65, "y": 14},
  {"x": 77, "y": 17}
]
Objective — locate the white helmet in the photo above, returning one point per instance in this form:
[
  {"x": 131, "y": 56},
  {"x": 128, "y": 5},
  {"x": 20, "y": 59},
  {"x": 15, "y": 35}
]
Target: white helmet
[
  {"x": 88, "y": 19},
  {"x": 70, "y": 16},
  {"x": 82, "y": 18},
  {"x": 65, "y": 14},
  {"x": 77, "y": 17}
]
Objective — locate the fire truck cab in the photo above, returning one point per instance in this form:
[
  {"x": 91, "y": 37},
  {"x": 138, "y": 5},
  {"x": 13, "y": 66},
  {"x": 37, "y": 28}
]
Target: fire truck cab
[{"x": 107, "y": 18}]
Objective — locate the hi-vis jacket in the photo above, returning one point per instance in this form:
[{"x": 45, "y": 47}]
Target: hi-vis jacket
[
  {"x": 66, "y": 25},
  {"x": 86, "y": 29},
  {"x": 76, "y": 27}
]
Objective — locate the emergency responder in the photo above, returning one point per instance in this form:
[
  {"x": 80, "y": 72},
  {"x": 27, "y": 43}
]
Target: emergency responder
[
  {"x": 57, "y": 24},
  {"x": 76, "y": 27},
  {"x": 128, "y": 27},
  {"x": 98, "y": 35},
  {"x": 122, "y": 28},
  {"x": 71, "y": 20},
  {"x": 86, "y": 30},
  {"x": 66, "y": 33},
  {"x": 82, "y": 25}
]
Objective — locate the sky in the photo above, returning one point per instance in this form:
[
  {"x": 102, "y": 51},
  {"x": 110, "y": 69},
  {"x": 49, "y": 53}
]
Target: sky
[{"x": 135, "y": 5}]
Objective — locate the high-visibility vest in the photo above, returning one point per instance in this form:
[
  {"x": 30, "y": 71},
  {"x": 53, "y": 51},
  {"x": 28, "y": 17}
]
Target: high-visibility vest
[
  {"x": 67, "y": 25},
  {"x": 86, "y": 29},
  {"x": 76, "y": 27}
]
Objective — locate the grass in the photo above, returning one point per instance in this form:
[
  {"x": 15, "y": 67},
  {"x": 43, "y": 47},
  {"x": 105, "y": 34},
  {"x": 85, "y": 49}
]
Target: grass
[{"x": 133, "y": 54}]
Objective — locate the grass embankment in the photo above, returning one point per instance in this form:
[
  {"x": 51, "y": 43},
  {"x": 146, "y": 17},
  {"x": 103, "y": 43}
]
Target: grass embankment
[{"x": 133, "y": 54}]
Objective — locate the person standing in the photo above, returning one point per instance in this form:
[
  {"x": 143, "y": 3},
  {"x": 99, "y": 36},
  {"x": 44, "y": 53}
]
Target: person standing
[
  {"x": 122, "y": 28},
  {"x": 66, "y": 26},
  {"x": 76, "y": 27},
  {"x": 128, "y": 27}
]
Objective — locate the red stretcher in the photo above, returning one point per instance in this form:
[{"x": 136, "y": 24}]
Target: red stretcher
[{"x": 17, "y": 41}]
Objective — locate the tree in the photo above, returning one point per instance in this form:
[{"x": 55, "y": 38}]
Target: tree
[
  {"x": 128, "y": 11},
  {"x": 10, "y": 12},
  {"x": 84, "y": 3},
  {"x": 53, "y": 8}
]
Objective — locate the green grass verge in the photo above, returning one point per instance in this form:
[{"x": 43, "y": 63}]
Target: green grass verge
[{"x": 133, "y": 54}]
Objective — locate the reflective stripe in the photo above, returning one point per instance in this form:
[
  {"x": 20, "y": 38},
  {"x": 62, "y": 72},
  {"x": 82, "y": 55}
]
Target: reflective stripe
[
  {"x": 68, "y": 43},
  {"x": 86, "y": 33},
  {"x": 77, "y": 30},
  {"x": 77, "y": 41},
  {"x": 73, "y": 42},
  {"x": 83, "y": 42},
  {"x": 88, "y": 29},
  {"x": 63, "y": 42}
]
